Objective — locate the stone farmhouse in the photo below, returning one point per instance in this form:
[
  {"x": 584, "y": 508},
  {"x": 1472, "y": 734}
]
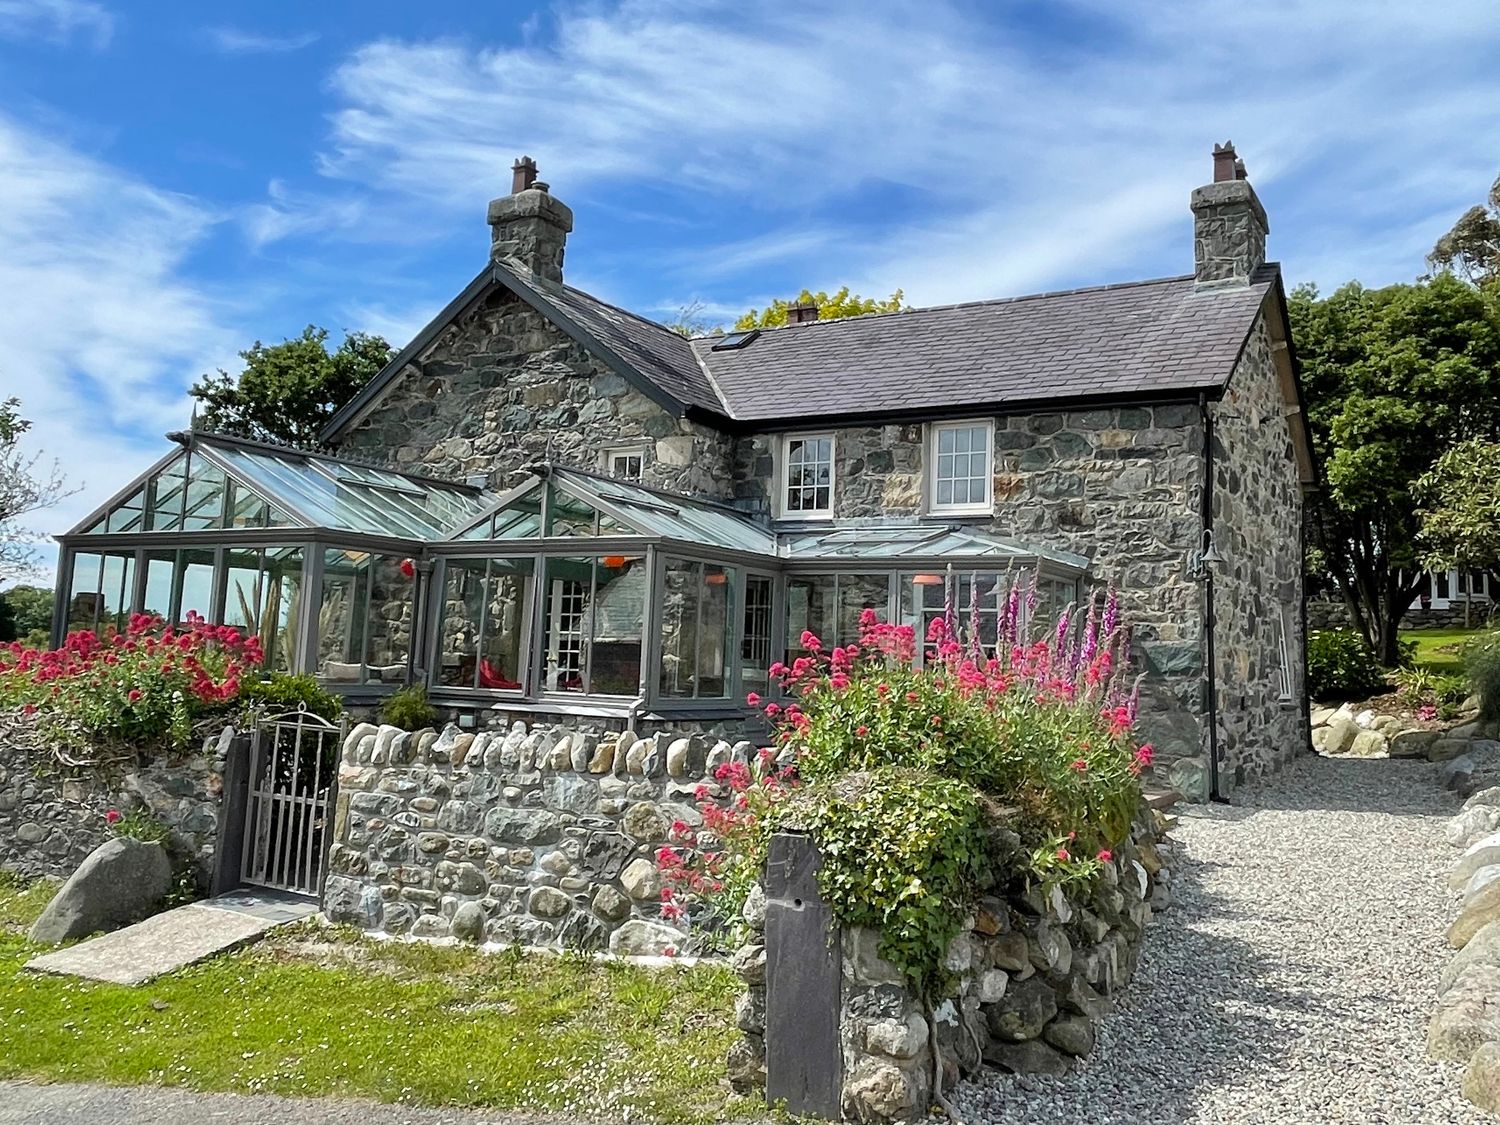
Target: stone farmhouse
[{"x": 547, "y": 507}]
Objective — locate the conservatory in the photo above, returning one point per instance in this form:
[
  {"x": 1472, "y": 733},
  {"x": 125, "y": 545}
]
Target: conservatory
[{"x": 571, "y": 593}]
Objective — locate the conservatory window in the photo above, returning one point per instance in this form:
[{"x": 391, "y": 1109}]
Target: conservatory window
[
  {"x": 364, "y": 632},
  {"x": 807, "y": 463},
  {"x": 593, "y": 611},
  {"x": 830, "y": 605},
  {"x": 755, "y": 645},
  {"x": 484, "y": 623},
  {"x": 960, "y": 467},
  {"x": 194, "y": 578},
  {"x": 697, "y": 626}
]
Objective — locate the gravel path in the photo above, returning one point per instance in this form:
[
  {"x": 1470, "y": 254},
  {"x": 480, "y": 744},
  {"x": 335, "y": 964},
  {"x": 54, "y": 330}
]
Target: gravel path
[{"x": 1293, "y": 979}]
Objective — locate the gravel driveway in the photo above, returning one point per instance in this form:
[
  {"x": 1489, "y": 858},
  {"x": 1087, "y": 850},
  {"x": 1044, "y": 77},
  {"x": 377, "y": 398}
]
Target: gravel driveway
[{"x": 1293, "y": 979}]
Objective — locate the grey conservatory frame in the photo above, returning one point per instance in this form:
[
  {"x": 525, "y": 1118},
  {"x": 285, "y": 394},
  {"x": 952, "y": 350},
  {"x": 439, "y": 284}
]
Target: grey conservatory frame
[{"x": 632, "y": 524}]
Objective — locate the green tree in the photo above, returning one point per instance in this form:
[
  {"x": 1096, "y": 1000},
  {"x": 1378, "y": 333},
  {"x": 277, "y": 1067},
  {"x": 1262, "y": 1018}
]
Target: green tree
[
  {"x": 1393, "y": 377},
  {"x": 31, "y": 609},
  {"x": 835, "y": 307},
  {"x": 1460, "y": 517},
  {"x": 289, "y": 391},
  {"x": 27, "y": 486},
  {"x": 1471, "y": 248}
]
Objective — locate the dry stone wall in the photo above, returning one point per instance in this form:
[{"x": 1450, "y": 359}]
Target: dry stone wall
[
  {"x": 502, "y": 388},
  {"x": 52, "y": 817},
  {"x": 538, "y": 836}
]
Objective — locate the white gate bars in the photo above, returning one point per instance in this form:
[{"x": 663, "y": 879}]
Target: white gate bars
[{"x": 288, "y": 816}]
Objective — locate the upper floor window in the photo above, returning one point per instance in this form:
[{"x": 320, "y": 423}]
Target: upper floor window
[
  {"x": 625, "y": 462},
  {"x": 808, "y": 477},
  {"x": 960, "y": 466}
]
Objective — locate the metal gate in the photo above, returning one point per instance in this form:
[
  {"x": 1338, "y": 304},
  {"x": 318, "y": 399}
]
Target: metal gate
[{"x": 289, "y": 810}]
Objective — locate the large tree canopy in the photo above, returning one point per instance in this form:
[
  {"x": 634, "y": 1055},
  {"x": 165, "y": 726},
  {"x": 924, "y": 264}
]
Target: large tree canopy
[
  {"x": 1393, "y": 377},
  {"x": 27, "y": 485},
  {"x": 289, "y": 391},
  {"x": 1472, "y": 247},
  {"x": 1460, "y": 512},
  {"x": 834, "y": 307},
  {"x": 29, "y": 609}
]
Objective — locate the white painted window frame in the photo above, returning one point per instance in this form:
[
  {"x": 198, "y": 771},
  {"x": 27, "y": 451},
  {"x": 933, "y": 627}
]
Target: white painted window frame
[
  {"x": 930, "y": 464},
  {"x": 783, "y": 475},
  {"x": 1285, "y": 631},
  {"x": 608, "y": 454}
]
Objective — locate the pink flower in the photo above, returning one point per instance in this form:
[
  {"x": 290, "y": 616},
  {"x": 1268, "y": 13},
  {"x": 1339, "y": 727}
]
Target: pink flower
[
  {"x": 134, "y": 696},
  {"x": 1144, "y": 755},
  {"x": 753, "y": 699},
  {"x": 1080, "y": 765},
  {"x": 113, "y": 817},
  {"x": 669, "y": 951},
  {"x": 1105, "y": 855},
  {"x": 1062, "y": 854},
  {"x": 772, "y": 710}
]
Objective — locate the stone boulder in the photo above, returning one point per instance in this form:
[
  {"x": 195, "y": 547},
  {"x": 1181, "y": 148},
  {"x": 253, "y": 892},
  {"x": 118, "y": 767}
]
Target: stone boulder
[
  {"x": 1490, "y": 796},
  {"x": 121, "y": 881},
  {"x": 1337, "y": 736},
  {"x": 1482, "y": 908},
  {"x": 1472, "y": 823},
  {"x": 1411, "y": 743},
  {"x": 1447, "y": 748},
  {"x": 1482, "y": 1078},
  {"x": 1367, "y": 744},
  {"x": 640, "y": 938},
  {"x": 1481, "y": 853},
  {"x": 1482, "y": 949},
  {"x": 1189, "y": 776},
  {"x": 1467, "y": 1016}
]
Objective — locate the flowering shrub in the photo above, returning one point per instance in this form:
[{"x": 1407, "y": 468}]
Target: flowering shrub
[
  {"x": 924, "y": 782},
  {"x": 139, "y": 687}
]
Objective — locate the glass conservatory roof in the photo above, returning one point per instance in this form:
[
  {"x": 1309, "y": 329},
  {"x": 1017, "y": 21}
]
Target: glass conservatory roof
[
  {"x": 910, "y": 542},
  {"x": 221, "y": 482},
  {"x": 574, "y": 503}
]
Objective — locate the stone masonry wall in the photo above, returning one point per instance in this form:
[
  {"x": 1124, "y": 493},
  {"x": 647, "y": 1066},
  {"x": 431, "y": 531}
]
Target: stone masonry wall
[
  {"x": 52, "y": 817},
  {"x": 503, "y": 387},
  {"x": 541, "y": 837},
  {"x": 1035, "y": 975},
  {"x": 1119, "y": 486},
  {"x": 1258, "y": 587}
]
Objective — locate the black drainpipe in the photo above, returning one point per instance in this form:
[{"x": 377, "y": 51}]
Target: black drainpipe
[{"x": 1210, "y": 683}]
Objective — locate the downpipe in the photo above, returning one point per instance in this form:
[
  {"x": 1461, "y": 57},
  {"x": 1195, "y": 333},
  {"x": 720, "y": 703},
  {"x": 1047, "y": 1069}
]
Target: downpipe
[{"x": 1211, "y": 680}]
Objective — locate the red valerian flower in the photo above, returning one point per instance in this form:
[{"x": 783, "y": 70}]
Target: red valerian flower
[
  {"x": 113, "y": 817},
  {"x": 408, "y": 568},
  {"x": 753, "y": 699},
  {"x": 1105, "y": 855},
  {"x": 1062, "y": 854},
  {"x": 861, "y": 731},
  {"x": 1080, "y": 765},
  {"x": 1145, "y": 754}
]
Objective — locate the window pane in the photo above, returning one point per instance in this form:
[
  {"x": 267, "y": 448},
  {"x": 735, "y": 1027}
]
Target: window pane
[
  {"x": 246, "y": 509},
  {"x": 281, "y": 608},
  {"x": 388, "y": 634},
  {"x": 195, "y": 584},
  {"x": 618, "y": 611},
  {"x": 160, "y": 566},
  {"x": 857, "y": 593},
  {"x": 83, "y": 593},
  {"x": 810, "y": 603},
  {"x": 507, "y": 616},
  {"x": 715, "y": 632},
  {"x": 681, "y": 593},
  {"x": 117, "y": 591},
  {"x": 242, "y": 590},
  {"x": 463, "y": 608},
  {"x": 566, "y": 623},
  {"x": 755, "y": 645},
  {"x": 205, "y": 497},
  {"x": 127, "y": 515},
  {"x": 342, "y": 616},
  {"x": 165, "y": 492}
]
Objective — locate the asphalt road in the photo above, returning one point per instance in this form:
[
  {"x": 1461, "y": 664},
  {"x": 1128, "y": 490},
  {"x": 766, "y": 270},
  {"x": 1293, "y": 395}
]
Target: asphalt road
[{"x": 146, "y": 1105}]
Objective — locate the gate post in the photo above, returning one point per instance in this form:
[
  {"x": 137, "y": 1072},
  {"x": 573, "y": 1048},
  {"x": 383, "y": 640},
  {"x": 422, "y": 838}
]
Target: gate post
[
  {"x": 230, "y": 848},
  {"x": 804, "y": 983}
]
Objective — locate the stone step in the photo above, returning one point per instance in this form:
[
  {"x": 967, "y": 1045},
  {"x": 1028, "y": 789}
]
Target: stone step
[
  {"x": 1162, "y": 799},
  {"x": 177, "y": 938}
]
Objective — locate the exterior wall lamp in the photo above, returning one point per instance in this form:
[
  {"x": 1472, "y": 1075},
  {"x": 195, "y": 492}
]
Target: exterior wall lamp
[{"x": 1205, "y": 557}]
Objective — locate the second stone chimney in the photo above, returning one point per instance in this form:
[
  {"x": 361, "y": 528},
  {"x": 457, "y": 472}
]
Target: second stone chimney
[
  {"x": 529, "y": 225},
  {"x": 1229, "y": 225},
  {"x": 801, "y": 312}
]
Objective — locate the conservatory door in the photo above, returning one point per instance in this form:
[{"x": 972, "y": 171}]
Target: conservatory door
[{"x": 567, "y": 624}]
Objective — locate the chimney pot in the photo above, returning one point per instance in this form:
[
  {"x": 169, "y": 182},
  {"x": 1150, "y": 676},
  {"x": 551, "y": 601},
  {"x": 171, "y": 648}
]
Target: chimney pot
[
  {"x": 522, "y": 175},
  {"x": 1224, "y": 162},
  {"x": 801, "y": 312},
  {"x": 530, "y": 225}
]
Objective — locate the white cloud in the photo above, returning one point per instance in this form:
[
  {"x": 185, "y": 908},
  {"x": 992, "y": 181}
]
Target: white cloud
[
  {"x": 100, "y": 334},
  {"x": 56, "y": 21},
  {"x": 1019, "y": 160},
  {"x": 287, "y": 213},
  {"x": 236, "y": 41}
]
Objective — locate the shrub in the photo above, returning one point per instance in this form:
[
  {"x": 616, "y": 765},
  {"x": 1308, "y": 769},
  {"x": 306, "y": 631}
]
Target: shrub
[
  {"x": 138, "y": 824},
  {"x": 283, "y": 693},
  {"x": 408, "y": 708},
  {"x": 1481, "y": 658},
  {"x": 924, "y": 785},
  {"x": 143, "y": 687},
  {"x": 1415, "y": 685},
  {"x": 1341, "y": 665}
]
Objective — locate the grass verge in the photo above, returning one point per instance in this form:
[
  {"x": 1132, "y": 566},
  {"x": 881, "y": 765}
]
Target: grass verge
[
  {"x": 324, "y": 1012},
  {"x": 1440, "y": 649}
]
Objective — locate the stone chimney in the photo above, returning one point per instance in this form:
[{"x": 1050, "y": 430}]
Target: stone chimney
[
  {"x": 529, "y": 226},
  {"x": 802, "y": 312},
  {"x": 1229, "y": 225}
]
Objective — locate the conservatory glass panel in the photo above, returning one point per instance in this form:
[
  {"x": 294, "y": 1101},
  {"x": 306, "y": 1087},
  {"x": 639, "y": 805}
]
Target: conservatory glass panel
[
  {"x": 565, "y": 624},
  {"x": 195, "y": 584},
  {"x": 117, "y": 591},
  {"x": 160, "y": 568},
  {"x": 507, "y": 624},
  {"x": 811, "y": 602},
  {"x": 924, "y": 597},
  {"x": 857, "y": 593},
  {"x": 281, "y": 608},
  {"x": 715, "y": 632},
  {"x": 616, "y": 617},
  {"x": 755, "y": 642},
  {"x": 83, "y": 592},
  {"x": 388, "y": 633},
  {"x": 697, "y": 625},
  {"x": 342, "y": 616},
  {"x": 461, "y": 621},
  {"x": 127, "y": 515},
  {"x": 165, "y": 497},
  {"x": 247, "y": 509},
  {"x": 242, "y": 590},
  {"x": 204, "y": 505}
]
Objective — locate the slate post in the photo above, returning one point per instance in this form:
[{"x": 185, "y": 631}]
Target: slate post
[
  {"x": 804, "y": 985},
  {"x": 232, "y": 808}
]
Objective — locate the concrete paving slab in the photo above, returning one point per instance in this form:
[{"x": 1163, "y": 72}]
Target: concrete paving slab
[{"x": 167, "y": 942}]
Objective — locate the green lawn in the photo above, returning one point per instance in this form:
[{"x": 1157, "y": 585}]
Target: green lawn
[
  {"x": 315, "y": 1011},
  {"x": 1438, "y": 649}
]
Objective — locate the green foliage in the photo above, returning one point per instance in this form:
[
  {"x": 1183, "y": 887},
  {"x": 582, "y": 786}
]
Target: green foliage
[
  {"x": 27, "y": 486},
  {"x": 1461, "y": 507},
  {"x": 1450, "y": 689},
  {"x": 835, "y": 307},
  {"x": 1471, "y": 248},
  {"x": 1392, "y": 377},
  {"x": 289, "y": 391},
  {"x": 1415, "y": 685},
  {"x": 905, "y": 852},
  {"x": 31, "y": 610},
  {"x": 1340, "y": 665},
  {"x": 1481, "y": 659},
  {"x": 286, "y": 693},
  {"x": 408, "y": 708},
  {"x": 139, "y": 824}
]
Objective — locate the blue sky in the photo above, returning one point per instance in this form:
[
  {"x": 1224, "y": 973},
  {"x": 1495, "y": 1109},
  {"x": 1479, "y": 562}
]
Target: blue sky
[{"x": 179, "y": 180}]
